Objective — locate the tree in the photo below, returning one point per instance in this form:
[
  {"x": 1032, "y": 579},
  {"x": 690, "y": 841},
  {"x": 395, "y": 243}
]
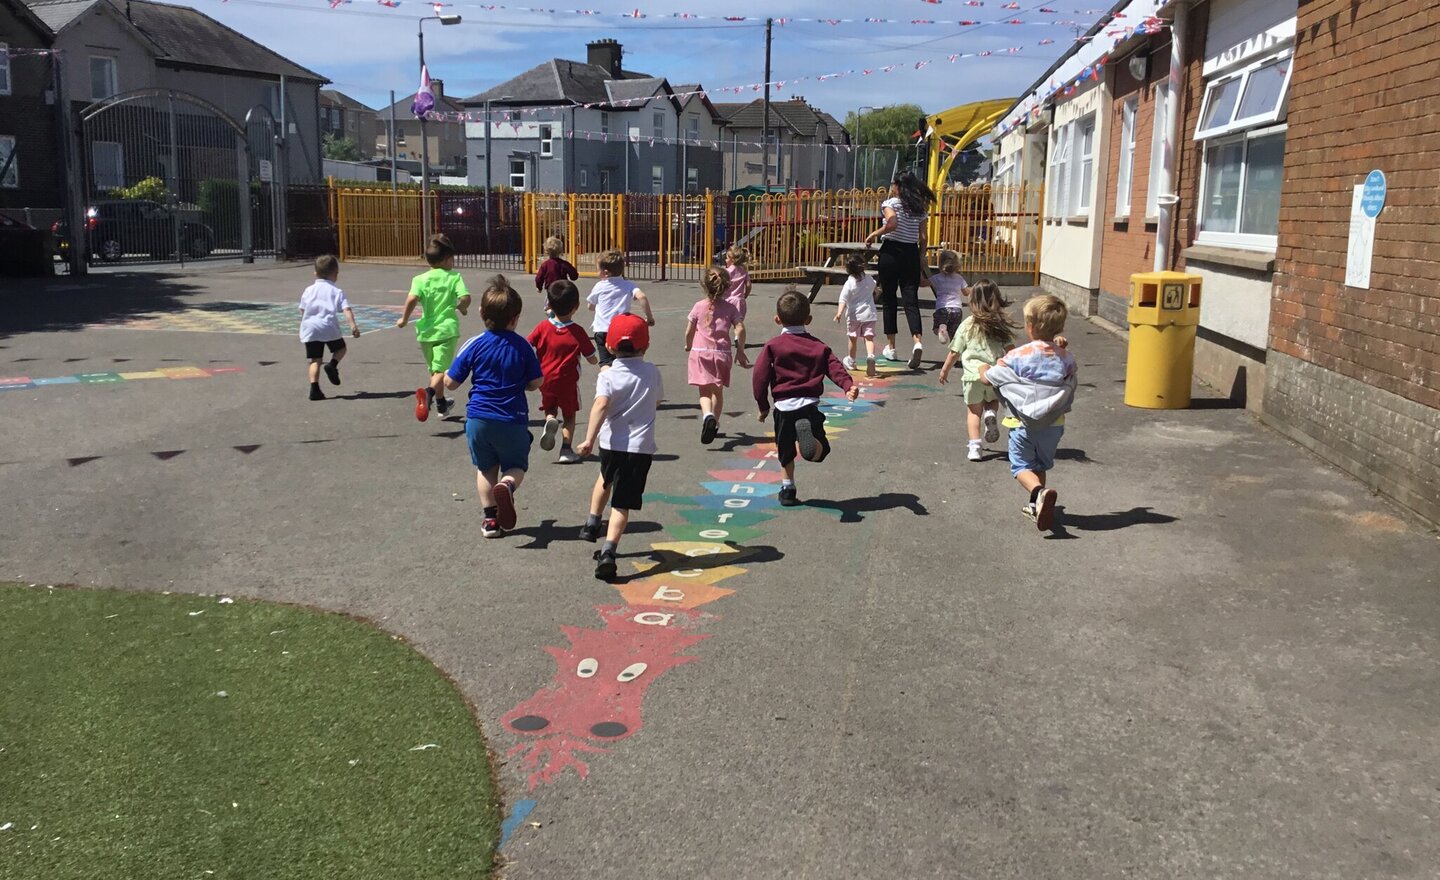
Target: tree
[
  {"x": 886, "y": 126},
  {"x": 341, "y": 148}
]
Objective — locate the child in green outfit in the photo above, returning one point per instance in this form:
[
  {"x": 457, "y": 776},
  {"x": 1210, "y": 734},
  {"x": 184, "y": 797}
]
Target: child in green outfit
[
  {"x": 983, "y": 338},
  {"x": 440, "y": 293}
]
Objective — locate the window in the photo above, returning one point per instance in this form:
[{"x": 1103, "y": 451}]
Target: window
[
  {"x": 604, "y": 180},
  {"x": 4, "y": 69},
  {"x": 1157, "y": 150},
  {"x": 584, "y": 178},
  {"x": 107, "y": 165},
  {"x": 1251, "y": 97},
  {"x": 657, "y": 178},
  {"x": 1060, "y": 172},
  {"x": 604, "y": 122},
  {"x": 1240, "y": 189},
  {"x": 692, "y": 126},
  {"x": 517, "y": 175},
  {"x": 9, "y": 164},
  {"x": 1127, "y": 157},
  {"x": 692, "y": 180},
  {"x": 657, "y": 121},
  {"x": 547, "y": 141},
  {"x": 1084, "y": 166},
  {"x": 102, "y": 77}
]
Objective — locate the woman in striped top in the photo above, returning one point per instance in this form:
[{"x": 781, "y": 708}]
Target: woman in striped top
[{"x": 901, "y": 264}]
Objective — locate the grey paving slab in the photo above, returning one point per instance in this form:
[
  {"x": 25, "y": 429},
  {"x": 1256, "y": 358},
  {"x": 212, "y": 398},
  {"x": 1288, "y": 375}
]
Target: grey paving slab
[{"x": 1225, "y": 663}]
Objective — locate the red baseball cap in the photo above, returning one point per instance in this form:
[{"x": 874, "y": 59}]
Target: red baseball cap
[{"x": 628, "y": 328}]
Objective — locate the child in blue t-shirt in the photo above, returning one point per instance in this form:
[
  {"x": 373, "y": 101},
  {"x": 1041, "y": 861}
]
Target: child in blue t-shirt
[{"x": 501, "y": 367}]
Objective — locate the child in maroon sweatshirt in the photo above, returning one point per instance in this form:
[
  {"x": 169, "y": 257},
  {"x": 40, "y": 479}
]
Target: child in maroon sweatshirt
[
  {"x": 793, "y": 367},
  {"x": 556, "y": 268}
]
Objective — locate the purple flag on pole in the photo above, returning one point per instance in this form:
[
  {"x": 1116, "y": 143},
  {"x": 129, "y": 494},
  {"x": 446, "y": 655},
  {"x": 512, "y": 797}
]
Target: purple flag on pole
[{"x": 424, "y": 98}]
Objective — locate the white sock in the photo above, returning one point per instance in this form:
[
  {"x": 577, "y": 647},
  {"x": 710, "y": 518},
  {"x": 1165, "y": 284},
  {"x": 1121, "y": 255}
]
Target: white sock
[{"x": 975, "y": 444}]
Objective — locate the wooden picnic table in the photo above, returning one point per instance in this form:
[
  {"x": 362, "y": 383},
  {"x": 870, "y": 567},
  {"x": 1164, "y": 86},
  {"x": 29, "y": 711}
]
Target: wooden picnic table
[{"x": 832, "y": 267}]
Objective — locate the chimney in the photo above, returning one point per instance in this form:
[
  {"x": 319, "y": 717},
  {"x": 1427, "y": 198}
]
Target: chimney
[
  {"x": 437, "y": 87},
  {"x": 605, "y": 54}
]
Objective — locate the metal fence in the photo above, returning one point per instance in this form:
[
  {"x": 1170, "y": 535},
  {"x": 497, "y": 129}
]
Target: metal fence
[{"x": 996, "y": 230}]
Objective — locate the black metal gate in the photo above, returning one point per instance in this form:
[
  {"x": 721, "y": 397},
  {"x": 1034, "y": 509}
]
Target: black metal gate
[{"x": 170, "y": 177}]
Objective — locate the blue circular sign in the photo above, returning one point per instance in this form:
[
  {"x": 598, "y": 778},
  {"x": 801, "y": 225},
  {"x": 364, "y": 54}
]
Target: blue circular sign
[{"x": 1372, "y": 198}]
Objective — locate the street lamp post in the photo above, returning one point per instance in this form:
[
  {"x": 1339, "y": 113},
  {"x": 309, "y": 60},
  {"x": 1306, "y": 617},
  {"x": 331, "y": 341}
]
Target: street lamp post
[
  {"x": 488, "y": 248},
  {"x": 445, "y": 20},
  {"x": 856, "y": 171}
]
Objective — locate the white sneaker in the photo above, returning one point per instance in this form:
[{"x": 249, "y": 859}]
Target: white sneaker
[
  {"x": 915, "y": 356},
  {"x": 849, "y": 363},
  {"x": 974, "y": 453},
  {"x": 992, "y": 426},
  {"x": 547, "y": 437},
  {"x": 889, "y": 353}
]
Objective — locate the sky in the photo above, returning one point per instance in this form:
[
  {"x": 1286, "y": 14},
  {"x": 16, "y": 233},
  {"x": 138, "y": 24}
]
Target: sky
[{"x": 368, "y": 49}]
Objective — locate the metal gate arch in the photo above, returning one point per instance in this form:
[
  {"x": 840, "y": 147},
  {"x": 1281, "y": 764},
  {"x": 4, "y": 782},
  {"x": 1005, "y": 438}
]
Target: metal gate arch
[{"x": 168, "y": 178}]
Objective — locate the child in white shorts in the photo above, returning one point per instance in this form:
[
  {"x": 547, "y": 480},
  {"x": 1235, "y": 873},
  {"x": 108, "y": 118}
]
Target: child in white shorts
[{"x": 857, "y": 309}]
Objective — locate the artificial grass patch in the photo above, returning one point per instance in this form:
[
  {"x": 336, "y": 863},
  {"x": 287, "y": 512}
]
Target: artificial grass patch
[{"x": 120, "y": 757}]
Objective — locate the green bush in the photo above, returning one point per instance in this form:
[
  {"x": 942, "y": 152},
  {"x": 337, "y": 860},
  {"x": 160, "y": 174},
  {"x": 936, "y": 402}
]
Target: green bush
[{"x": 150, "y": 189}]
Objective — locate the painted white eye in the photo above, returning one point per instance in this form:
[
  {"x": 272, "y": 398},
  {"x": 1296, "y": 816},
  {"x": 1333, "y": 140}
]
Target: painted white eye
[
  {"x": 632, "y": 672},
  {"x": 587, "y": 667}
]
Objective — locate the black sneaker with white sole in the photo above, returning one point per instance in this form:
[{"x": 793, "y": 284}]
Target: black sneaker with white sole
[
  {"x": 332, "y": 372},
  {"x": 605, "y": 567},
  {"x": 709, "y": 427},
  {"x": 489, "y": 528},
  {"x": 443, "y": 405},
  {"x": 788, "y": 496},
  {"x": 590, "y": 533},
  {"x": 808, "y": 443}
]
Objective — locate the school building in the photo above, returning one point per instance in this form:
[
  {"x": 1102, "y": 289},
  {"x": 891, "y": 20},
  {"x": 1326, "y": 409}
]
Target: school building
[{"x": 1238, "y": 140}]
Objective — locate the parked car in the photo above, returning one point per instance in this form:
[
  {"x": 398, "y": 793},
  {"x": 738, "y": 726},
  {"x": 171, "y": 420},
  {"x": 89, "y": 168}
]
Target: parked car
[{"x": 122, "y": 228}]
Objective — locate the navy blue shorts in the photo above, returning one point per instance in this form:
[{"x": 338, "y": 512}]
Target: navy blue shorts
[{"x": 505, "y": 445}]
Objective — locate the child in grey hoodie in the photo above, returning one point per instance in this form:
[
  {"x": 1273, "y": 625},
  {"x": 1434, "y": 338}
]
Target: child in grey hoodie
[{"x": 1038, "y": 381}]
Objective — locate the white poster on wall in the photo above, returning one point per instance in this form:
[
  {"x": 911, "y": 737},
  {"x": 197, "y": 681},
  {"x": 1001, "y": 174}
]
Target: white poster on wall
[{"x": 1362, "y": 243}]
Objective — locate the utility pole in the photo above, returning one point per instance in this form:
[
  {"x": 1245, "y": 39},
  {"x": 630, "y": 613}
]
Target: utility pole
[
  {"x": 765, "y": 124},
  {"x": 390, "y": 144},
  {"x": 75, "y": 191}
]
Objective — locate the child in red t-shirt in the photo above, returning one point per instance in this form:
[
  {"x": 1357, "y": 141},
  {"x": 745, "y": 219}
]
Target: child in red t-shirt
[
  {"x": 560, "y": 343},
  {"x": 556, "y": 268}
]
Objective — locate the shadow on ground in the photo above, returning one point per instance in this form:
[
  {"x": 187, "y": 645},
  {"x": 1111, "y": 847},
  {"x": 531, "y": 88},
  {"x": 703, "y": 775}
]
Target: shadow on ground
[{"x": 63, "y": 303}]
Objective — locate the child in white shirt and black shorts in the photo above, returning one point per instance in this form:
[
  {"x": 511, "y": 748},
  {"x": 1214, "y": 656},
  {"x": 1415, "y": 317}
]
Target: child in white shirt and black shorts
[{"x": 320, "y": 308}]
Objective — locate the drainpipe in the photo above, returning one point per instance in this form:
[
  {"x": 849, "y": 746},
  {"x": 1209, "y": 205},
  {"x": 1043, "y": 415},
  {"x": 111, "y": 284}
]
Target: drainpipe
[{"x": 1168, "y": 200}]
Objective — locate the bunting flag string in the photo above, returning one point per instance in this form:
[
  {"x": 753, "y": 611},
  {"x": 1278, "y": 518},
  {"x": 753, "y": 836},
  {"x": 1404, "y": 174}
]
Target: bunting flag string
[{"x": 638, "y": 14}]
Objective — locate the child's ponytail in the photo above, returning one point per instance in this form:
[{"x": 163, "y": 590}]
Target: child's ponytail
[{"x": 715, "y": 282}]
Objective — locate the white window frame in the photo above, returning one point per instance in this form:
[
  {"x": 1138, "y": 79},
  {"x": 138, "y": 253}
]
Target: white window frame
[
  {"x": 1157, "y": 148},
  {"x": 547, "y": 140},
  {"x": 1002, "y": 172},
  {"x": 1242, "y": 240},
  {"x": 1083, "y": 163},
  {"x": 1125, "y": 178},
  {"x": 112, "y": 83},
  {"x": 11, "y": 180},
  {"x": 116, "y": 173},
  {"x": 584, "y": 178},
  {"x": 1060, "y": 172},
  {"x": 5, "y": 86},
  {"x": 604, "y": 122},
  {"x": 692, "y": 179},
  {"x": 657, "y": 179},
  {"x": 692, "y": 123},
  {"x": 524, "y": 173},
  {"x": 657, "y": 123},
  {"x": 1236, "y": 122}
]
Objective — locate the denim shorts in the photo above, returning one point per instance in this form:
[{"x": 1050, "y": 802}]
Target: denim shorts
[
  {"x": 505, "y": 445},
  {"x": 1033, "y": 449}
]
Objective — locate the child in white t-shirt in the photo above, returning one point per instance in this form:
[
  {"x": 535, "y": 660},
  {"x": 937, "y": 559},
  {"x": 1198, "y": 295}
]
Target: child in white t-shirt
[
  {"x": 320, "y": 308},
  {"x": 857, "y": 308},
  {"x": 951, "y": 294},
  {"x": 623, "y": 421},
  {"x": 611, "y": 296}
]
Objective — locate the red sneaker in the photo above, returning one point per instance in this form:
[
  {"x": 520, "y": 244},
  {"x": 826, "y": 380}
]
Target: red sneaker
[
  {"x": 504, "y": 505},
  {"x": 422, "y": 404}
]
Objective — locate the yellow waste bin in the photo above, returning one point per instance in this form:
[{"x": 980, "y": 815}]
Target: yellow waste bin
[{"x": 1164, "y": 312}]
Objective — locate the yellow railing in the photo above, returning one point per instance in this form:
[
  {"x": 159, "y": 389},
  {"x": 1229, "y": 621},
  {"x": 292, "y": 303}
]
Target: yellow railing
[{"x": 995, "y": 229}]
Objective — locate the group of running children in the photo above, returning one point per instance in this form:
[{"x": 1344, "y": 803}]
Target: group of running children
[{"x": 1037, "y": 379}]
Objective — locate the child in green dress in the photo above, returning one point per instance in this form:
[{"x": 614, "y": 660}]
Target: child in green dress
[{"x": 983, "y": 338}]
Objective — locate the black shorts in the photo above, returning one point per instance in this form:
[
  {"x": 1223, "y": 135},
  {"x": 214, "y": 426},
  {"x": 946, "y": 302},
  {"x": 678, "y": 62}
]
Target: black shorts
[
  {"x": 785, "y": 431},
  {"x": 315, "y": 349},
  {"x": 602, "y": 354},
  {"x": 624, "y": 474}
]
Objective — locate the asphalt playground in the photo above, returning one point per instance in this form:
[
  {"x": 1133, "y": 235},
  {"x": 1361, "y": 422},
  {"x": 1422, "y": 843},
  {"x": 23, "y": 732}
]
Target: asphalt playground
[{"x": 1223, "y": 663}]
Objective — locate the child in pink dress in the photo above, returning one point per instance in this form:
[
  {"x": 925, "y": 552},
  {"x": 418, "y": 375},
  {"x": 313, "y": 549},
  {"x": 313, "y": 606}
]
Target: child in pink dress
[
  {"x": 707, "y": 339},
  {"x": 737, "y": 261}
]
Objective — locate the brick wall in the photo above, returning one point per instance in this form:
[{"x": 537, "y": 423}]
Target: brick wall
[
  {"x": 25, "y": 116},
  {"x": 1362, "y": 96}
]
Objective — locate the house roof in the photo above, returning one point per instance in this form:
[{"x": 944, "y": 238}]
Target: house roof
[
  {"x": 836, "y": 129},
  {"x": 181, "y": 35},
  {"x": 629, "y": 92},
  {"x": 752, "y": 115},
  {"x": 343, "y": 100},
  {"x": 690, "y": 91},
  {"x": 443, "y": 103},
  {"x": 557, "y": 80},
  {"x": 28, "y": 16}
]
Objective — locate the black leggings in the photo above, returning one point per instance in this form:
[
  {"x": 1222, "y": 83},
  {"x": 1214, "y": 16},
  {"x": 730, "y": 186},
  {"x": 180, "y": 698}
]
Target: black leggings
[{"x": 899, "y": 267}]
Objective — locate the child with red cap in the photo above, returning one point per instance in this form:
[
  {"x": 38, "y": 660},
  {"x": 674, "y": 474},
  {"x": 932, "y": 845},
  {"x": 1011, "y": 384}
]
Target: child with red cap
[{"x": 623, "y": 420}]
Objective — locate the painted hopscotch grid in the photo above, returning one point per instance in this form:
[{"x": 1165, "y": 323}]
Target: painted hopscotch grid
[
  {"x": 18, "y": 383},
  {"x": 247, "y": 317}
]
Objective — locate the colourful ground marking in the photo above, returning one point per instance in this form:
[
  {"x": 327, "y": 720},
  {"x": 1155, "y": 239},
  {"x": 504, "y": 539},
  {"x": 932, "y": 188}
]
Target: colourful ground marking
[
  {"x": 246, "y": 317},
  {"x": 595, "y": 697},
  {"x": 15, "y": 383}
]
